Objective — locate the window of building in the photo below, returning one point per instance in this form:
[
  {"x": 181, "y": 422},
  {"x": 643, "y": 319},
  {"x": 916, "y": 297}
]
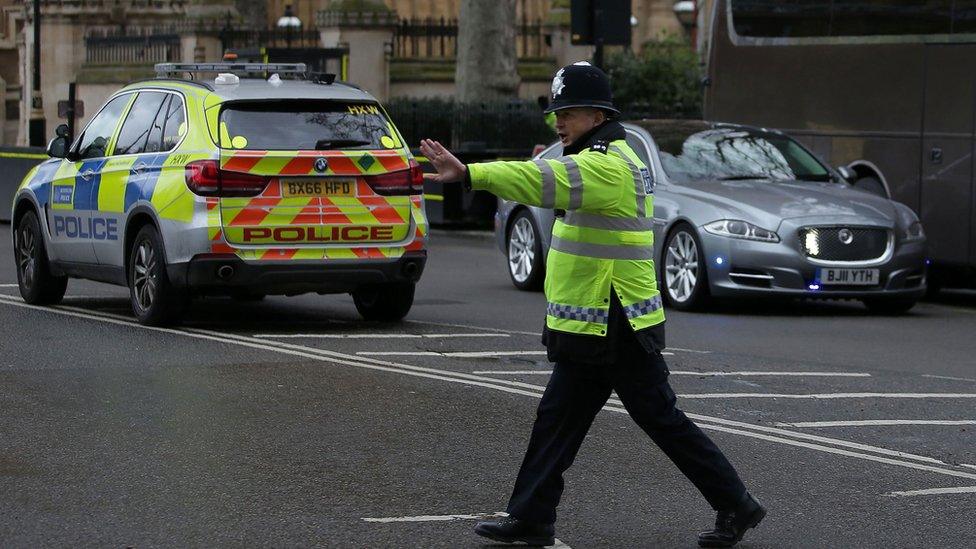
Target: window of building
[
  {"x": 781, "y": 18},
  {"x": 821, "y": 18}
]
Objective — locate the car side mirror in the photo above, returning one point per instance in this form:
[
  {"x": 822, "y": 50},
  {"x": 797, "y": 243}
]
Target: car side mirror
[
  {"x": 848, "y": 174},
  {"x": 58, "y": 147},
  {"x": 61, "y": 130}
]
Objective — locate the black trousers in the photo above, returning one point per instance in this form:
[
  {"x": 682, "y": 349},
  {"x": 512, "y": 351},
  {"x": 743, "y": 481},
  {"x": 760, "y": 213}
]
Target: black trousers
[{"x": 575, "y": 394}]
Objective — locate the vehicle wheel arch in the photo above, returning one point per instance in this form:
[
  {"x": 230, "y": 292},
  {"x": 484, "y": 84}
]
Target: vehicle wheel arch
[
  {"x": 866, "y": 168},
  {"x": 139, "y": 217},
  {"x": 24, "y": 204}
]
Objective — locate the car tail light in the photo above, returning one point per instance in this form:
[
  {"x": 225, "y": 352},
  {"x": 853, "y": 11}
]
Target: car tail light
[
  {"x": 205, "y": 178},
  {"x": 409, "y": 181}
]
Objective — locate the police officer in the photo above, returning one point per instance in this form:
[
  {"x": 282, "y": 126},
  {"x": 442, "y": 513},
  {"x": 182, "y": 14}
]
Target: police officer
[{"x": 604, "y": 317}]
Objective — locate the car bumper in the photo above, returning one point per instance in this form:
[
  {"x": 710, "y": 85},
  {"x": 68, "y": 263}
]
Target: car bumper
[
  {"x": 227, "y": 274},
  {"x": 747, "y": 268}
]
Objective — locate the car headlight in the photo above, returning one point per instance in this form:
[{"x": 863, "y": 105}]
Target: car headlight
[
  {"x": 914, "y": 232},
  {"x": 734, "y": 228}
]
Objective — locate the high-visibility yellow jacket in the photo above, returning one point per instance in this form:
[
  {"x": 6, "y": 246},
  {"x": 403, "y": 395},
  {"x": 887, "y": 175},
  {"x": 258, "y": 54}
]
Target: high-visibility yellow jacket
[{"x": 604, "y": 241}]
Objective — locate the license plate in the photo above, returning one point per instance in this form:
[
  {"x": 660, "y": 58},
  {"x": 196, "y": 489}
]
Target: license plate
[
  {"x": 849, "y": 277},
  {"x": 318, "y": 187}
]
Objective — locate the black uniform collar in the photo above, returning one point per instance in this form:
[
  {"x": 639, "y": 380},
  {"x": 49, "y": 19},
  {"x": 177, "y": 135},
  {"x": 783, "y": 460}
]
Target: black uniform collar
[{"x": 598, "y": 138}]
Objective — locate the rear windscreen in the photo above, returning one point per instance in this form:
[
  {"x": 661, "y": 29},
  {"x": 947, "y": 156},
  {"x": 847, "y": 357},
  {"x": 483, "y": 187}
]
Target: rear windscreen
[{"x": 305, "y": 125}]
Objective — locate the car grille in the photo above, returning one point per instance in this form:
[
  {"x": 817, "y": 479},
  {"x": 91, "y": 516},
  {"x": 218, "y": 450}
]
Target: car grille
[{"x": 844, "y": 243}]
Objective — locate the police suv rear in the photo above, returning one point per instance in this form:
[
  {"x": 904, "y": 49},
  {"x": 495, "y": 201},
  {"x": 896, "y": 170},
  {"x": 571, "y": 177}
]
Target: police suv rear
[{"x": 263, "y": 180}]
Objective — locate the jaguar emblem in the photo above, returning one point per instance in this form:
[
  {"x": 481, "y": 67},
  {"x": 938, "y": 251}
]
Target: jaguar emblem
[{"x": 846, "y": 236}]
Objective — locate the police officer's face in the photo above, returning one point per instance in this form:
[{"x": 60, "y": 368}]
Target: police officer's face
[{"x": 573, "y": 123}]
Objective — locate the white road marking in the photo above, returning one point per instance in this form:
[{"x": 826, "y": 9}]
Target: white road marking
[
  {"x": 689, "y": 372},
  {"x": 878, "y": 422},
  {"x": 557, "y": 544},
  {"x": 514, "y": 372},
  {"x": 459, "y": 354},
  {"x": 520, "y": 332},
  {"x": 950, "y": 378},
  {"x": 470, "y": 327},
  {"x": 8, "y": 285},
  {"x": 535, "y": 391},
  {"x": 830, "y": 395},
  {"x": 452, "y": 354},
  {"x": 968, "y": 465},
  {"x": 436, "y": 518},
  {"x": 784, "y": 374},
  {"x": 370, "y": 336},
  {"x": 935, "y": 491}
]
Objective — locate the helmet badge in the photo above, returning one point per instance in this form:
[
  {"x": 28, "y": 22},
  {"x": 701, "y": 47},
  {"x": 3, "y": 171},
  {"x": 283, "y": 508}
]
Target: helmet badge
[
  {"x": 321, "y": 164},
  {"x": 557, "y": 84}
]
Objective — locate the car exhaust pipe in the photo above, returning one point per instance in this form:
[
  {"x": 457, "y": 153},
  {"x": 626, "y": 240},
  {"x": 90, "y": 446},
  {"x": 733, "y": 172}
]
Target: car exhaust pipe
[
  {"x": 411, "y": 269},
  {"x": 225, "y": 272}
]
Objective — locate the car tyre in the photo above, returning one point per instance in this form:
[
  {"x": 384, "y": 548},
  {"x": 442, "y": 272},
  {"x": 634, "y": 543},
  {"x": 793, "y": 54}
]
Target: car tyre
[
  {"x": 155, "y": 300},
  {"x": 38, "y": 286},
  {"x": 685, "y": 274},
  {"x": 892, "y": 307},
  {"x": 526, "y": 266},
  {"x": 387, "y": 303}
]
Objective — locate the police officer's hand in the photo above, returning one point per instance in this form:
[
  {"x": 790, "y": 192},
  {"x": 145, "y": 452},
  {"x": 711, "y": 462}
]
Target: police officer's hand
[{"x": 449, "y": 168}]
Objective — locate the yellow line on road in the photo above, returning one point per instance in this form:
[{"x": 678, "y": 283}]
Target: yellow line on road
[{"x": 31, "y": 156}]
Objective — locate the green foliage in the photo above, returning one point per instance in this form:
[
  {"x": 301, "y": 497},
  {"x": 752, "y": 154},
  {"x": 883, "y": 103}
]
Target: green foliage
[{"x": 664, "y": 79}]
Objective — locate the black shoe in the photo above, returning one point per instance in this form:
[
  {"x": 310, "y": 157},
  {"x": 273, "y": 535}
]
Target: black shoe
[
  {"x": 731, "y": 525},
  {"x": 511, "y": 529}
]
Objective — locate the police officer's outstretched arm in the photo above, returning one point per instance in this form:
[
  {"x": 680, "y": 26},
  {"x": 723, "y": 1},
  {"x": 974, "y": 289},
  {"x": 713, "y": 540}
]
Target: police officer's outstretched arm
[{"x": 549, "y": 183}]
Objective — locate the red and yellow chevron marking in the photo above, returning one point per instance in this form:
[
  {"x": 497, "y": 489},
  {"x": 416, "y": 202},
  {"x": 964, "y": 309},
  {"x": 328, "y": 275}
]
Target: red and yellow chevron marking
[
  {"x": 294, "y": 163},
  {"x": 329, "y": 222}
]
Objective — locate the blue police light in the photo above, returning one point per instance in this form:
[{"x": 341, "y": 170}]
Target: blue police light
[
  {"x": 928, "y": 261},
  {"x": 719, "y": 260},
  {"x": 814, "y": 287}
]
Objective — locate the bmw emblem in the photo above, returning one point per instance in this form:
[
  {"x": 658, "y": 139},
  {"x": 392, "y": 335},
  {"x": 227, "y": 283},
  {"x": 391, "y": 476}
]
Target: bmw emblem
[
  {"x": 846, "y": 236},
  {"x": 321, "y": 164}
]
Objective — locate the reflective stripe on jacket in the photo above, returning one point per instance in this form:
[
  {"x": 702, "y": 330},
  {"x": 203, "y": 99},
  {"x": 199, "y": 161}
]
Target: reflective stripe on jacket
[{"x": 605, "y": 239}]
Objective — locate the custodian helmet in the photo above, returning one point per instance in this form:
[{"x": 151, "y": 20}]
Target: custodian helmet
[{"x": 581, "y": 85}]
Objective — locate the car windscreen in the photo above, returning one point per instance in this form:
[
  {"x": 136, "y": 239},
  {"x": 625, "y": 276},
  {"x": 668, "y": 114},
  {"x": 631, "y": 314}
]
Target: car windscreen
[
  {"x": 305, "y": 125},
  {"x": 727, "y": 154}
]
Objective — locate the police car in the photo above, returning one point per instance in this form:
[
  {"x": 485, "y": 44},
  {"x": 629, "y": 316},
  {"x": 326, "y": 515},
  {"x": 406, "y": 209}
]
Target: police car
[{"x": 263, "y": 180}]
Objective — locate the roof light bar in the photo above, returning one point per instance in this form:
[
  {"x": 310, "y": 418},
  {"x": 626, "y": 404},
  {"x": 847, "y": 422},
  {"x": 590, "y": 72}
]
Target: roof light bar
[{"x": 170, "y": 69}]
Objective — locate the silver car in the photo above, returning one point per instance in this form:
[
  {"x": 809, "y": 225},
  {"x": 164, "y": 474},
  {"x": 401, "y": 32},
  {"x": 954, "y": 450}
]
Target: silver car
[{"x": 743, "y": 211}]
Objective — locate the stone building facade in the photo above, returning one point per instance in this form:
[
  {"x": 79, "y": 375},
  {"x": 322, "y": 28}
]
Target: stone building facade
[{"x": 397, "y": 48}]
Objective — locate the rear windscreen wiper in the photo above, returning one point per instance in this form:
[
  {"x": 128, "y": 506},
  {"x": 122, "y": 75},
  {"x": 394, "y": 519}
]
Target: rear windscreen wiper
[{"x": 325, "y": 144}]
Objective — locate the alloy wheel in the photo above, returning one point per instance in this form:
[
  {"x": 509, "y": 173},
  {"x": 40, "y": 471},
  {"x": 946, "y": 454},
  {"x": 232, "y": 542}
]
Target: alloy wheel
[
  {"x": 145, "y": 275},
  {"x": 27, "y": 256},
  {"x": 681, "y": 267},
  {"x": 521, "y": 249}
]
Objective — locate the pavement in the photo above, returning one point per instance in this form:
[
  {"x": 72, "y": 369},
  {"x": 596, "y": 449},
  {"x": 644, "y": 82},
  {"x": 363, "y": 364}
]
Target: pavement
[{"x": 291, "y": 422}]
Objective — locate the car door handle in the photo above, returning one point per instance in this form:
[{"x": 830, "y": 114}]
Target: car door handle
[
  {"x": 935, "y": 155},
  {"x": 88, "y": 174},
  {"x": 139, "y": 168}
]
